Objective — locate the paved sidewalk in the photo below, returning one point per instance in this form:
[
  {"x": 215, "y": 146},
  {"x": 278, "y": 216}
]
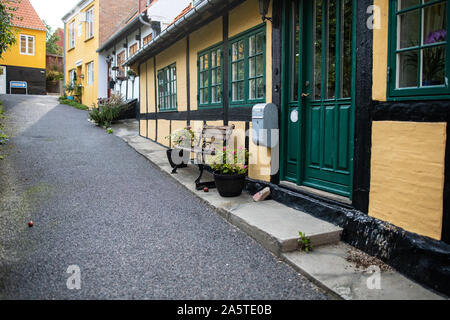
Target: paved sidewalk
[{"x": 335, "y": 266}]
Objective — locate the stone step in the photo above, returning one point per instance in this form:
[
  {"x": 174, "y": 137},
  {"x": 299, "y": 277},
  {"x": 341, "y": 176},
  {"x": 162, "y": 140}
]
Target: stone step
[{"x": 277, "y": 227}]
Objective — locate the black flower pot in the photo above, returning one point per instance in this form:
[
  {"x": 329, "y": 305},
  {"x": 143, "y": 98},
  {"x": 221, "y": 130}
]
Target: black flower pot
[
  {"x": 181, "y": 158},
  {"x": 229, "y": 185}
]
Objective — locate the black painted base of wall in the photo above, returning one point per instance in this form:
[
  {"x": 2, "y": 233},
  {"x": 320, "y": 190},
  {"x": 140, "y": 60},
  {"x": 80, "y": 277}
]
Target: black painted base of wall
[
  {"x": 35, "y": 78},
  {"x": 422, "y": 259}
]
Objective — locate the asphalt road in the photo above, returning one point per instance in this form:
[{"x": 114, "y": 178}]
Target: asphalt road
[{"x": 133, "y": 232}]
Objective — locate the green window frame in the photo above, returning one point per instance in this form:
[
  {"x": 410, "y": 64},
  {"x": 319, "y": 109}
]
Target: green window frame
[
  {"x": 248, "y": 67},
  {"x": 167, "y": 88},
  {"x": 418, "y": 49},
  {"x": 210, "y": 77}
]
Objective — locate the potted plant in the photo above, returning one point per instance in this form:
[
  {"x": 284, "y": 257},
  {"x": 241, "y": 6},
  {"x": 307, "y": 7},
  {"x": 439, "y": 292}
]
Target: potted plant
[
  {"x": 230, "y": 169},
  {"x": 180, "y": 138},
  {"x": 70, "y": 89},
  {"x": 131, "y": 75}
]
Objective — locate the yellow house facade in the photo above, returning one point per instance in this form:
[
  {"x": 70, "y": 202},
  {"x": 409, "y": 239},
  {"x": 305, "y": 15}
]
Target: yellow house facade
[
  {"x": 25, "y": 60},
  {"x": 81, "y": 29}
]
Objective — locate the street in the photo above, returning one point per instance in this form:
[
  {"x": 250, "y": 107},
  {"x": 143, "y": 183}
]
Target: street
[{"x": 133, "y": 232}]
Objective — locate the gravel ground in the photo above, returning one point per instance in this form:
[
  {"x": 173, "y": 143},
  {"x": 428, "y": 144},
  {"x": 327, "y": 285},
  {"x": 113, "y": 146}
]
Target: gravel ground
[{"x": 134, "y": 232}]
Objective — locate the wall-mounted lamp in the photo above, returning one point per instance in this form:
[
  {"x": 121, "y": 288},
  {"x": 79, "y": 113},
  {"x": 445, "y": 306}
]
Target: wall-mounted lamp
[{"x": 263, "y": 9}]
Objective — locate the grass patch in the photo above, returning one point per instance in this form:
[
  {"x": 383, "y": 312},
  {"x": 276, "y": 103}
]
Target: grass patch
[{"x": 73, "y": 103}]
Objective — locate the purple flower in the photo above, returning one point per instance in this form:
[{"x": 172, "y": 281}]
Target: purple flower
[{"x": 436, "y": 36}]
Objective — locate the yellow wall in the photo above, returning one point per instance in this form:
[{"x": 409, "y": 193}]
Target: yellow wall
[
  {"x": 163, "y": 132},
  {"x": 407, "y": 175},
  {"x": 84, "y": 51},
  {"x": 176, "y": 54},
  {"x": 380, "y": 52},
  {"x": 143, "y": 128},
  {"x": 12, "y": 56},
  {"x": 203, "y": 38}
]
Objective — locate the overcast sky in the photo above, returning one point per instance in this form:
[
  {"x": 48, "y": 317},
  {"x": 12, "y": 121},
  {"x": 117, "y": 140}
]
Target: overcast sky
[{"x": 53, "y": 10}]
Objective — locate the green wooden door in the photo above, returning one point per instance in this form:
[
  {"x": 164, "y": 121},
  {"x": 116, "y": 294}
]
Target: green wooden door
[{"x": 318, "y": 109}]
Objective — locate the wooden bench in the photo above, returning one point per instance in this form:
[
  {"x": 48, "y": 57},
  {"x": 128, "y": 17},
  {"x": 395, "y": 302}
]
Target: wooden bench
[{"x": 212, "y": 139}]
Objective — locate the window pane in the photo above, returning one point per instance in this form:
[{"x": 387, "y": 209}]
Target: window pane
[
  {"x": 331, "y": 59},
  {"x": 219, "y": 76},
  {"x": 218, "y": 58},
  {"x": 403, "y": 4},
  {"x": 234, "y": 55},
  {"x": 318, "y": 49},
  {"x": 251, "y": 67},
  {"x": 433, "y": 72},
  {"x": 234, "y": 73},
  {"x": 252, "y": 45},
  {"x": 260, "y": 88},
  {"x": 408, "y": 24},
  {"x": 241, "y": 50},
  {"x": 218, "y": 94},
  {"x": 407, "y": 69},
  {"x": 259, "y": 65},
  {"x": 241, "y": 70},
  {"x": 434, "y": 23},
  {"x": 23, "y": 44},
  {"x": 252, "y": 89},
  {"x": 30, "y": 45},
  {"x": 241, "y": 90},
  {"x": 259, "y": 43},
  {"x": 234, "y": 92}
]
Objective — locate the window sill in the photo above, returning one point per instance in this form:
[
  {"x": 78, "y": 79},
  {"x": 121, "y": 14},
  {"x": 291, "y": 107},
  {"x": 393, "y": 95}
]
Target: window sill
[
  {"x": 167, "y": 111},
  {"x": 88, "y": 39},
  {"x": 71, "y": 49}
]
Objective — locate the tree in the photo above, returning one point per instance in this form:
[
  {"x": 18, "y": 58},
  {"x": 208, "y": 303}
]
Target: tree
[
  {"x": 52, "y": 41},
  {"x": 7, "y": 30}
]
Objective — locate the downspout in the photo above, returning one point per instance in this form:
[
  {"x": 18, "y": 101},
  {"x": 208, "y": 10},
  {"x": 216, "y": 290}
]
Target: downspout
[{"x": 141, "y": 19}]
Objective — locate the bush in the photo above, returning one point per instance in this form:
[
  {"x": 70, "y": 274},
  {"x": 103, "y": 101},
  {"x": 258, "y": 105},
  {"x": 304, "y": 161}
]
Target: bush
[{"x": 104, "y": 115}]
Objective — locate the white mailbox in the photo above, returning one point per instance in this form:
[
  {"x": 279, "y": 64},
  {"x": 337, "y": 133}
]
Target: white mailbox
[{"x": 264, "y": 120}]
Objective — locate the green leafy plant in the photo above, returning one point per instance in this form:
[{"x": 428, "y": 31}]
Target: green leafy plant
[
  {"x": 229, "y": 161},
  {"x": 305, "y": 243},
  {"x": 131, "y": 73},
  {"x": 109, "y": 131},
  {"x": 72, "y": 103},
  {"x": 105, "y": 115},
  {"x": 8, "y": 32},
  {"x": 69, "y": 88},
  {"x": 183, "y": 138}
]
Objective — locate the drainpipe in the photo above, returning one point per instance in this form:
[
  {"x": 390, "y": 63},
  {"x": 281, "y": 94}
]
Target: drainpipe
[{"x": 141, "y": 19}]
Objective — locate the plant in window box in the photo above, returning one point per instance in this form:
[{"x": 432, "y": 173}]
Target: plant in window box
[
  {"x": 131, "y": 75},
  {"x": 230, "y": 170},
  {"x": 183, "y": 138}
]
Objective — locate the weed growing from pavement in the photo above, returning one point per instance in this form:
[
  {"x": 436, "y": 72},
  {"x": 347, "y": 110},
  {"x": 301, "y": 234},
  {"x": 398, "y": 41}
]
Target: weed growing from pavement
[{"x": 305, "y": 243}]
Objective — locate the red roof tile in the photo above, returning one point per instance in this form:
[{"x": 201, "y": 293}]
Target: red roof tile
[
  {"x": 185, "y": 10},
  {"x": 26, "y": 17}
]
